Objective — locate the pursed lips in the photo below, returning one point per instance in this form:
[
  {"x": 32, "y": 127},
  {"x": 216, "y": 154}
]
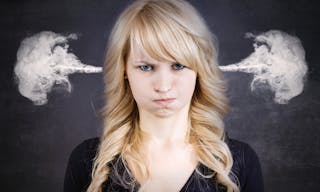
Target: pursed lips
[{"x": 165, "y": 101}]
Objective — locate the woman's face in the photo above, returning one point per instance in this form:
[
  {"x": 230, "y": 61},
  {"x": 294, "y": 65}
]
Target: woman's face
[{"x": 160, "y": 88}]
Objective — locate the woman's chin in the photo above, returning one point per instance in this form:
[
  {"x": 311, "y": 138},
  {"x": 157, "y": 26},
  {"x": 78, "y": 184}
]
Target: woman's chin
[{"x": 164, "y": 113}]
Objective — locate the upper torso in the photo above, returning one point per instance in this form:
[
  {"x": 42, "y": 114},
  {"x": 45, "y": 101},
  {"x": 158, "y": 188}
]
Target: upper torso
[{"x": 246, "y": 167}]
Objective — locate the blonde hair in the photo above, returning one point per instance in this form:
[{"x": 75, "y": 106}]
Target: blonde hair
[{"x": 169, "y": 30}]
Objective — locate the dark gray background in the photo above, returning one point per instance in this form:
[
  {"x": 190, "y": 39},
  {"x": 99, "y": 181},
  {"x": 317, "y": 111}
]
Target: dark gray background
[{"x": 35, "y": 141}]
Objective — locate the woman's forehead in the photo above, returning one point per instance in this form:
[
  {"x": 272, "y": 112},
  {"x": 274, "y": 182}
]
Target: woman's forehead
[
  {"x": 163, "y": 45},
  {"x": 140, "y": 52}
]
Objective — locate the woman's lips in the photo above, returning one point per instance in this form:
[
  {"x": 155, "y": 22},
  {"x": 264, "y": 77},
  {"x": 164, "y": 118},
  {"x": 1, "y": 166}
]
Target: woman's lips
[{"x": 164, "y": 102}]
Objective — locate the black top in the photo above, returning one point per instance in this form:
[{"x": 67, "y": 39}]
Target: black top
[{"x": 246, "y": 167}]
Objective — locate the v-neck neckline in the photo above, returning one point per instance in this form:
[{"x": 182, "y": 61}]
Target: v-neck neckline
[
  {"x": 189, "y": 182},
  {"x": 189, "y": 179},
  {"x": 186, "y": 184}
]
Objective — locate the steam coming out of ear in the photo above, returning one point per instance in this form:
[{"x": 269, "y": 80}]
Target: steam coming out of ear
[
  {"x": 277, "y": 63},
  {"x": 43, "y": 61}
]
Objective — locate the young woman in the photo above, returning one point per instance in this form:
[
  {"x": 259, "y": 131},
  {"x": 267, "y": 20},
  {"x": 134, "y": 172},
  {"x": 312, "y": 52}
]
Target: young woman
[{"x": 165, "y": 100}]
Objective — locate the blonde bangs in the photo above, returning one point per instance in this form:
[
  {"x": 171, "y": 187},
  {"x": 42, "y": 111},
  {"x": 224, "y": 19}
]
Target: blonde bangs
[{"x": 163, "y": 38}]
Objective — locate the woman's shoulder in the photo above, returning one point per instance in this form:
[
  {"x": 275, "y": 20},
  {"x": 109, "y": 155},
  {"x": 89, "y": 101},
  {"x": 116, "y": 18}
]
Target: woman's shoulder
[
  {"x": 239, "y": 148},
  {"x": 87, "y": 146},
  {"x": 86, "y": 150},
  {"x": 79, "y": 168},
  {"x": 246, "y": 165}
]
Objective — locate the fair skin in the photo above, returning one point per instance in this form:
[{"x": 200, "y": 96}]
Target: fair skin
[{"x": 163, "y": 92}]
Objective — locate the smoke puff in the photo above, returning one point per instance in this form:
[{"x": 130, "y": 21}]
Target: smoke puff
[
  {"x": 43, "y": 61},
  {"x": 278, "y": 63}
]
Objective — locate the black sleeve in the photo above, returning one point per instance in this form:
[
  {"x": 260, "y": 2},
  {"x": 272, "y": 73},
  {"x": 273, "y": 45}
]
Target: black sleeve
[
  {"x": 252, "y": 180},
  {"x": 78, "y": 172}
]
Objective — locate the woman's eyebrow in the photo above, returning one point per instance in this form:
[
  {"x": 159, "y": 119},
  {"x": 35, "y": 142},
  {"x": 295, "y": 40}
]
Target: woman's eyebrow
[{"x": 145, "y": 62}]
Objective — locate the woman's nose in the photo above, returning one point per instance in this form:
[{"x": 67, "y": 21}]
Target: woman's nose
[{"x": 163, "y": 82}]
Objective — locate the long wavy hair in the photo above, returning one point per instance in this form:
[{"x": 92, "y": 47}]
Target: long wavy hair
[{"x": 169, "y": 30}]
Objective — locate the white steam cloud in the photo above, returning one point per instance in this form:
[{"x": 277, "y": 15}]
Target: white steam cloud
[
  {"x": 277, "y": 63},
  {"x": 43, "y": 61}
]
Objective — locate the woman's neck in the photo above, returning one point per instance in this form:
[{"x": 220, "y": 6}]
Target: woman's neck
[{"x": 172, "y": 129}]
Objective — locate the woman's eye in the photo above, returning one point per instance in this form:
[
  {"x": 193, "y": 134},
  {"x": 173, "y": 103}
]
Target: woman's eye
[
  {"x": 178, "y": 66},
  {"x": 145, "y": 67}
]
